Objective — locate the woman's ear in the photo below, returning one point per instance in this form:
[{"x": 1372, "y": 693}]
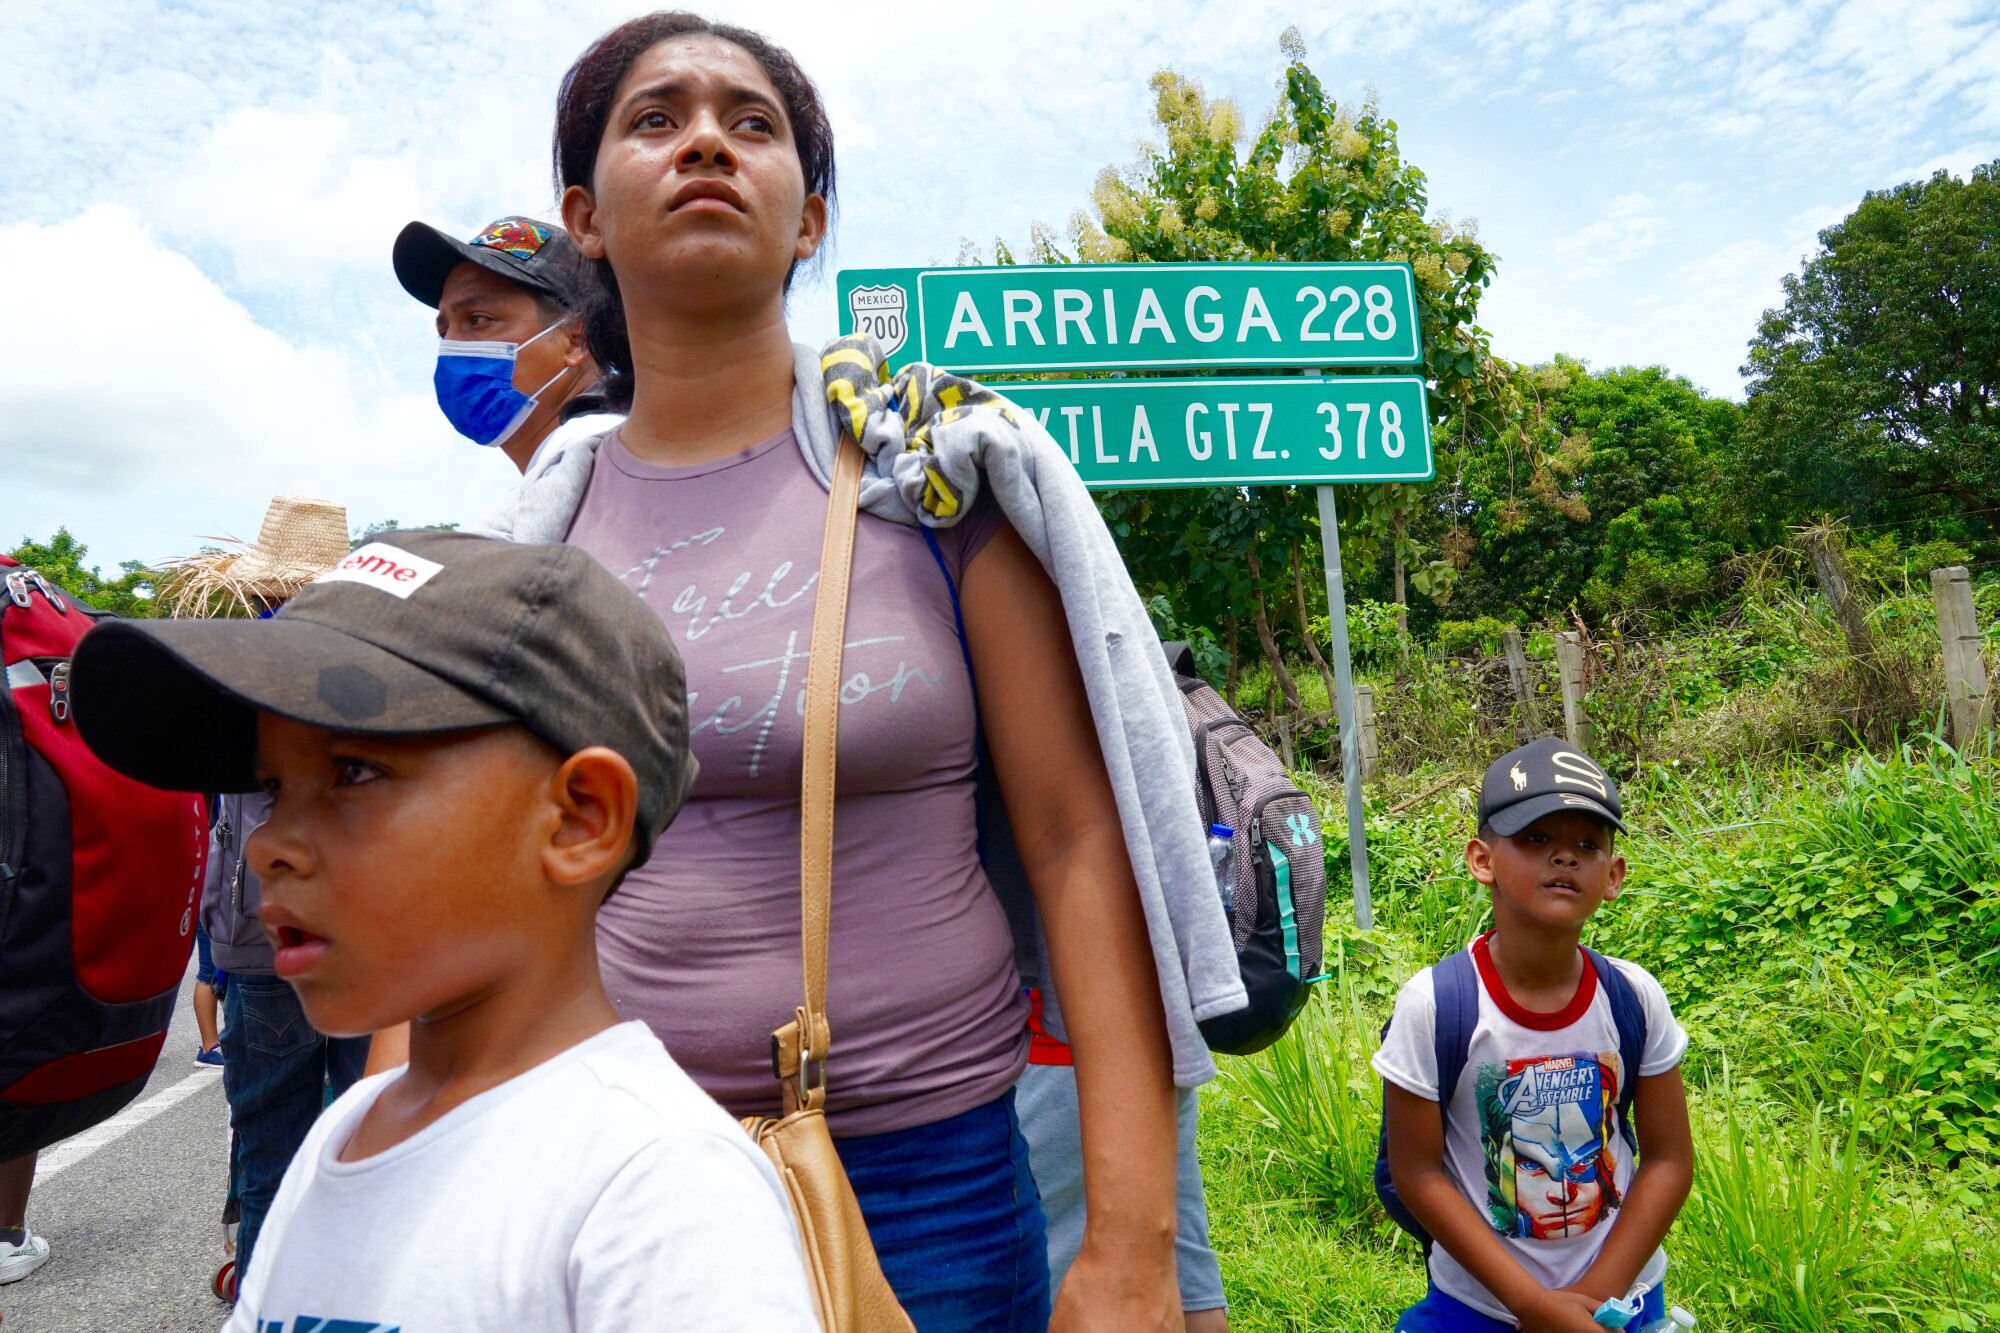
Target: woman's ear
[
  {"x": 597, "y": 799},
  {"x": 812, "y": 227},
  {"x": 579, "y": 215}
]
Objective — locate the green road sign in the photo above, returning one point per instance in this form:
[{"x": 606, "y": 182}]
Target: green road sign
[
  {"x": 1265, "y": 431},
  {"x": 1136, "y": 316}
]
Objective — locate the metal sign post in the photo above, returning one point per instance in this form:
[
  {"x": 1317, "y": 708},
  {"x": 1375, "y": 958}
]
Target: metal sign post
[
  {"x": 1135, "y": 432},
  {"x": 1350, "y": 729}
]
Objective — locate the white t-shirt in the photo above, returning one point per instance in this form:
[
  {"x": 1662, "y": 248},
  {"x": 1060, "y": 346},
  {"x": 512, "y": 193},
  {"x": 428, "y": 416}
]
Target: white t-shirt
[
  {"x": 600, "y": 1190},
  {"x": 1533, "y": 1119}
]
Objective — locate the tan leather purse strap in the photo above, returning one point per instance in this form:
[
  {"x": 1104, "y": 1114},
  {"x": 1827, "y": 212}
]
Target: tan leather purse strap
[{"x": 822, "y": 734}]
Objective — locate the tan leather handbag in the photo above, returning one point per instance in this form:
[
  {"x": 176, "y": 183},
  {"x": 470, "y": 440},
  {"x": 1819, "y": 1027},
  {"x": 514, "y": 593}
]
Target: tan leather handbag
[{"x": 849, "y": 1291}]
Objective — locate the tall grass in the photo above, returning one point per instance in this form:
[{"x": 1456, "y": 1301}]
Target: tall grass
[
  {"x": 1816, "y": 882},
  {"x": 1844, "y": 1065},
  {"x": 1315, "y": 1092},
  {"x": 1799, "y": 1220},
  {"x": 1807, "y": 1228}
]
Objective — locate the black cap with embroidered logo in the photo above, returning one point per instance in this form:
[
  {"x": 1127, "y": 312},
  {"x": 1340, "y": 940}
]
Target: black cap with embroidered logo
[
  {"x": 1542, "y": 778},
  {"x": 419, "y": 634},
  {"x": 534, "y": 254}
]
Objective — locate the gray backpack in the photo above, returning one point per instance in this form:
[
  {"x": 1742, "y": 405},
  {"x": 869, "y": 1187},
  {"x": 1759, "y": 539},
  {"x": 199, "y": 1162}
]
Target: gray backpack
[
  {"x": 1278, "y": 908},
  {"x": 230, "y": 893}
]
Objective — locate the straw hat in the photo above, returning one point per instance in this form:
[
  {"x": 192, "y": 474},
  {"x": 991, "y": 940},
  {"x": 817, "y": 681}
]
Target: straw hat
[{"x": 301, "y": 538}]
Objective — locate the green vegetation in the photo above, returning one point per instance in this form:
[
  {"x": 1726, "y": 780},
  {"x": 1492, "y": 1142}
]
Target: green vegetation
[
  {"x": 1830, "y": 938},
  {"x": 60, "y": 560},
  {"x": 1623, "y": 499},
  {"x": 1816, "y": 875}
]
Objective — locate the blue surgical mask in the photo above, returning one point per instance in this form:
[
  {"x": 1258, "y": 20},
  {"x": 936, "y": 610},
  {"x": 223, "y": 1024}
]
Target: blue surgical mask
[{"x": 475, "y": 387}]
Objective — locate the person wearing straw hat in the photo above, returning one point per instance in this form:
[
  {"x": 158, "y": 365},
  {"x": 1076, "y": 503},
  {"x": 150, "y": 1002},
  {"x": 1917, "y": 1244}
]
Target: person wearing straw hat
[
  {"x": 277, "y": 1069},
  {"x": 301, "y": 536},
  {"x": 514, "y": 370}
]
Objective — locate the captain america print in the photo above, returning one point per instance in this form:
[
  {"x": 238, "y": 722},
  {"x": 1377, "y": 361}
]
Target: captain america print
[{"x": 1545, "y": 1126}]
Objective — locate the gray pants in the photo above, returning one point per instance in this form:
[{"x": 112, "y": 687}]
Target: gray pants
[{"x": 1045, "y": 1100}]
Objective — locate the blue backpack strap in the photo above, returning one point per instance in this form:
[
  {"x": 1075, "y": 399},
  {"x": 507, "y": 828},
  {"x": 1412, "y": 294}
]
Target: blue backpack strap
[
  {"x": 951, "y": 586},
  {"x": 965, "y": 651},
  {"x": 1455, "y": 981},
  {"x": 1630, "y": 1017}
]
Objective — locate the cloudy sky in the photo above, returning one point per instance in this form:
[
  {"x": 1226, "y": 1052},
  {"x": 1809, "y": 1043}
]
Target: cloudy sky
[{"x": 197, "y": 197}]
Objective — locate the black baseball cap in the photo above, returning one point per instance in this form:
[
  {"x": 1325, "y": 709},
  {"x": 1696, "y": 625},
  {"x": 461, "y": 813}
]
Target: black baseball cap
[
  {"x": 423, "y": 633},
  {"x": 1541, "y": 778},
  {"x": 537, "y": 255}
]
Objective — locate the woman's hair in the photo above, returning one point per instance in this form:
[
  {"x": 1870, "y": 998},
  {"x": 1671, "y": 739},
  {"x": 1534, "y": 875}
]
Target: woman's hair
[{"x": 583, "y": 109}]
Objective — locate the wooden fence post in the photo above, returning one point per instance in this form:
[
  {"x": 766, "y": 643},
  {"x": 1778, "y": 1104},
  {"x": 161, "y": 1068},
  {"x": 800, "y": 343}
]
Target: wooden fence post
[
  {"x": 1528, "y": 715},
  {"x": 1831, "y": 571},
  {"x": 1569, "y": 661},
  {"x": 1965, "y": 683},
  {"x": 1364, "y": 723}
]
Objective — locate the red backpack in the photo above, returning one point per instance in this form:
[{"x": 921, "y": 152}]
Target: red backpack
[{"x": 100, "y": 883}]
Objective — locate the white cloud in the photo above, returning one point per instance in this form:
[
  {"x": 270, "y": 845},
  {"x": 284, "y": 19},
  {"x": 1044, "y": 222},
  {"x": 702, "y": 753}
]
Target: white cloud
[
  {"x": 1629, "y": 228},
  {"x": 1959, "y": 162},
  {"x": 1695, "y": 316},
  {"x": 290, "y": 197},
  {"x": 159, "y": 409},
  {"x": 1638, "y": 167}
]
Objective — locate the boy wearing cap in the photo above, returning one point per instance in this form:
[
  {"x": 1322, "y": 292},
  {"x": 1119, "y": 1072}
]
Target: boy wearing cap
[
  {"x": 1517, "y": 1071},
  {"x": 513, "y": 368},
  {"x": 466, "y": 744}
]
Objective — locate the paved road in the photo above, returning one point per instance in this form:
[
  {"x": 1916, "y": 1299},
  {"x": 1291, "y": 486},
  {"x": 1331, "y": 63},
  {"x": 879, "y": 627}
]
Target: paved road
[{"x": 134, "y": 1228}]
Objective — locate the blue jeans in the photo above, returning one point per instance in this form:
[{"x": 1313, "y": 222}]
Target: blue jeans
[
  {"x": 205, "y": 971},
  {"x": 1051, "y": 1121},
  {"x": 956, "y": 1221},
  {"x": 277, "y": 1070},
  {"x": 1439, "y": 1313}
]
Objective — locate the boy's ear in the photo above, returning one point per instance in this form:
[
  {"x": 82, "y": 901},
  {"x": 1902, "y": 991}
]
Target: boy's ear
[
  {"x": 1479, "y": 860},
  {"x": 597, "y": 798},
  {"x": 1614, "y": 884}
]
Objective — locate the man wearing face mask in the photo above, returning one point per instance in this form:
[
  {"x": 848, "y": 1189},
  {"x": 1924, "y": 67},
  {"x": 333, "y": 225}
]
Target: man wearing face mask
[{"x": 513, "y": 370}]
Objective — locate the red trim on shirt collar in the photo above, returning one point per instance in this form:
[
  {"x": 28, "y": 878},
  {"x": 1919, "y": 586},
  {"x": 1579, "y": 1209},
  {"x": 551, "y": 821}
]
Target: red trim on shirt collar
[{"x": 1579, "y": 1005}]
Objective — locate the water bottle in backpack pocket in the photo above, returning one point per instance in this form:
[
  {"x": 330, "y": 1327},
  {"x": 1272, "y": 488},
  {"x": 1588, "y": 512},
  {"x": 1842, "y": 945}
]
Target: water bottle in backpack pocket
[{"x": 1276, "y": 868}]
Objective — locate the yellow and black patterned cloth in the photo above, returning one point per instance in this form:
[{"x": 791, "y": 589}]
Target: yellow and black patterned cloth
[{"x": 924, "y": 428}]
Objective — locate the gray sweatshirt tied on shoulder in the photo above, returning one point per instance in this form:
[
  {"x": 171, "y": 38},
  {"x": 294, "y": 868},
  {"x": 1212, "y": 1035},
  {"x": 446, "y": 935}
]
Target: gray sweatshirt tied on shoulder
[{"x": 1141, "y": 728}]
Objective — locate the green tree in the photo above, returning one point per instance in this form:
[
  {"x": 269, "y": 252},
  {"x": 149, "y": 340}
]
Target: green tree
[
  {"x": 1874, "y": 388},
  {"x": 1563, "y": 507},
  {"x": 60, "y": 561},
  {"x": 1320, "y": 181}
]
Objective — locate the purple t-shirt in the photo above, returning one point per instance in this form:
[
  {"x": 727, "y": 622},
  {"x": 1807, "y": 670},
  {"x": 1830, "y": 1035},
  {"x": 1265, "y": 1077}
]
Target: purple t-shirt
[{"x": 702, "y": 942}]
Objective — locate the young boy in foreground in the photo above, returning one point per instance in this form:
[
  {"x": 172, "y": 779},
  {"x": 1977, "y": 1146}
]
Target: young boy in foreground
[
  {"x": 466, "y": 743},
  {"x": 1525, "y": 1176}
]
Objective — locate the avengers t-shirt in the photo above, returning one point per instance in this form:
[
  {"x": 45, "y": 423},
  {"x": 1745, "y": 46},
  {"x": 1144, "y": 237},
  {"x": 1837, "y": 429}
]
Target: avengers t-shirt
[
  {"x": 702, "y": 942},
  {"x": 1531, "y": 1135}
]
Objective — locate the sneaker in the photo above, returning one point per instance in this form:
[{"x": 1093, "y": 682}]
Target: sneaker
[
  {"x": 17, "y": 1261},
  {"x": 211, "y": 1058}
]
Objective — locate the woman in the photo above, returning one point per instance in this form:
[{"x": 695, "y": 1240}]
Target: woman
[{"x": 697, "y": 170}]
